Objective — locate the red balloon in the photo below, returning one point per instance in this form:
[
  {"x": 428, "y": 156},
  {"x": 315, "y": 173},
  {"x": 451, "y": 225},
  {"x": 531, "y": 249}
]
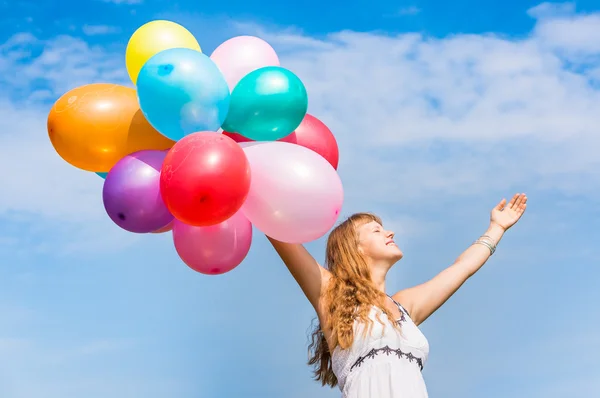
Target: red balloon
[
  {"x": 205, "y": 179},
  {"x": 312, "y": 134}
]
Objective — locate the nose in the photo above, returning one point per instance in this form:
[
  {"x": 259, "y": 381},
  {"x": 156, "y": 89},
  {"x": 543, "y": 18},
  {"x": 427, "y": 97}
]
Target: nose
[{"x": 390, "y": 234}]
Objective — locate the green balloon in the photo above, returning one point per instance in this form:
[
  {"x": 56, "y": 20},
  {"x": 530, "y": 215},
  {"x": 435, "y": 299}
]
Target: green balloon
[{"x": 267, "y": 104}]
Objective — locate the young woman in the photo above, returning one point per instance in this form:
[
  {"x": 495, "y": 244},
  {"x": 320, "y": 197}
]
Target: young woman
[{"x": 367, "y": 342}]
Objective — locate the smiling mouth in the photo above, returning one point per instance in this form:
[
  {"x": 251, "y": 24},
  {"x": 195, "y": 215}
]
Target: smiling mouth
[{"x": 391, "y": 243}]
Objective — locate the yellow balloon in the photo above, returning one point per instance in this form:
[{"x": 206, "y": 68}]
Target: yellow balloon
[{"x": 152, "y": 38}]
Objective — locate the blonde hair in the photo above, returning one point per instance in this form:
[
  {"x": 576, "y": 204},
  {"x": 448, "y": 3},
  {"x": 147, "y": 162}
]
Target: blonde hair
[{"x": 350, "y": 295}]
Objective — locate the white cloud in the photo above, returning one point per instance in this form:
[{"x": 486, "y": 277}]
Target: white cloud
[
  {"x": 57, "y": 65},
  {"x": 574, "y": 36},
  {"x": 407, "y": 11},
  {"x": 552, "y": 10},
  {"x": 94, "y": 30},
  {"x": 412, "y": 10},
  {"x": 417, "y": 118}
]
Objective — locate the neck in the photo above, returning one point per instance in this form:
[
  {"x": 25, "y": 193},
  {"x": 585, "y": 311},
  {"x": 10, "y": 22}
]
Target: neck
[{"x": 378, "y": 275}]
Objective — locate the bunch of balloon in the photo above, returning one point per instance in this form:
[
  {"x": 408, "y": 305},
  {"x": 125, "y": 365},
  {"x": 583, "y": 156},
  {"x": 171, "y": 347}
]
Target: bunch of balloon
[{"x": 168, "y": 167}]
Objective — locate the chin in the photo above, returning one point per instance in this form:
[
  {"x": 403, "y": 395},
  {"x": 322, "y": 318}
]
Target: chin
[{"x": 396, "y": 255}]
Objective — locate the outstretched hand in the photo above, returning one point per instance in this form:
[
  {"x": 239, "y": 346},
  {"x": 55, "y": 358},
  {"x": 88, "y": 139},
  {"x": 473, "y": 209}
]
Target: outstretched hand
[{"x": 506, "y": 215}]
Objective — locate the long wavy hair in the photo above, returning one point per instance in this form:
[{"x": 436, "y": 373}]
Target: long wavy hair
[{"x": 350, "y": 296}]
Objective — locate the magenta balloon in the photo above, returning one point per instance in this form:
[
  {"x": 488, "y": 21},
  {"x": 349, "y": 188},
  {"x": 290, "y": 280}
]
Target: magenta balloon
[
  {"x": 295, "y": 194},
  {"x": 131, "y": 193},
  {"x": 215, "y": 249},
  {"x": 166, "y": 228}
]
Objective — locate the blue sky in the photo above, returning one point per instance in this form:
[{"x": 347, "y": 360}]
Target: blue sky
[{"x": 440, "y": 110}]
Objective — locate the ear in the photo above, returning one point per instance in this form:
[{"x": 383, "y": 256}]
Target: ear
[{"x": 360, "y": 250}]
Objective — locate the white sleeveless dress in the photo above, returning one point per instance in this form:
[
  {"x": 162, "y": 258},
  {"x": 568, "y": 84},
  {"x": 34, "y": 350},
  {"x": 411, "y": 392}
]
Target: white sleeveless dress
[{"x": 385, "y": 364}]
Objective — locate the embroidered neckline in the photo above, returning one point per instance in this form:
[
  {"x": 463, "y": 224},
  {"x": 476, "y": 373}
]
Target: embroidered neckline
[{"x": 388, "y": 351}]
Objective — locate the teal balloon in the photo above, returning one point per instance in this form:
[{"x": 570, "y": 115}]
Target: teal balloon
[
  {"x": 267, "y": 104},
  {"x": 103, "y": 175}
]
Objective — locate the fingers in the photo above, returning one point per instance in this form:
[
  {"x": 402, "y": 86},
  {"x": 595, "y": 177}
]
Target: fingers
[
  {"x": 500, "y": 206},
  {"x": 523, "y": 203},
  {"x": 513, "y": 201},
  {"x": 518, "y": 203},
  {"x": 517, "y": 200}
]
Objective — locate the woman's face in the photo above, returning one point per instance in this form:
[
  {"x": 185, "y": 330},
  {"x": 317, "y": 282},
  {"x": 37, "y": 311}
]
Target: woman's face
[{"x": 377, "y": 244}]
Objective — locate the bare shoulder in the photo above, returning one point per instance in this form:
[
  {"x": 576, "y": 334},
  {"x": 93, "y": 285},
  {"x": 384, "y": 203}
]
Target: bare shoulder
[{"x": 407, "y": 298}]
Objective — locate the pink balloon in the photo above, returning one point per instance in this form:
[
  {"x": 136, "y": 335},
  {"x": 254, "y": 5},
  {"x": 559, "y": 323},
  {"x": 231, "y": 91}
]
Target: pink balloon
[
  {"x": 295, "y": 194},
  {"x": 215, "y": 249},
  {"x": 241, "y": 55}
]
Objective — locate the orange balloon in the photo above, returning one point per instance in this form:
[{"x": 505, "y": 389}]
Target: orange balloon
[{"x": 93, "y": 126}]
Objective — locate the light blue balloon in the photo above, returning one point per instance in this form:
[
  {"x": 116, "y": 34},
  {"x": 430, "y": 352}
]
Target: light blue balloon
[
  {"x": 182, "y": 91},
  {"x": 103, "y": 175}
]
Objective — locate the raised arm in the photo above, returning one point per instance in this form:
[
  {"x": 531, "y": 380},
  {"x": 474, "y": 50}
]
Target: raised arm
[
  {"x": 309, "y": 274},
  {"x": 423, "y": 300}
]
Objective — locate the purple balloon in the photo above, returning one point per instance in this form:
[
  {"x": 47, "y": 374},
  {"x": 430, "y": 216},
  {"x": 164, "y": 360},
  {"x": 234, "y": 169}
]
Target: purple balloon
[
  {"x": 131, "y": 193},
  {"x": 215, "y": 249}
]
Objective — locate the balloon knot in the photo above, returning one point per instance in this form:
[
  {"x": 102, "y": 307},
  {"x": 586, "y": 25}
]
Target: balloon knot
[{"x": 165, "y": 69}]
